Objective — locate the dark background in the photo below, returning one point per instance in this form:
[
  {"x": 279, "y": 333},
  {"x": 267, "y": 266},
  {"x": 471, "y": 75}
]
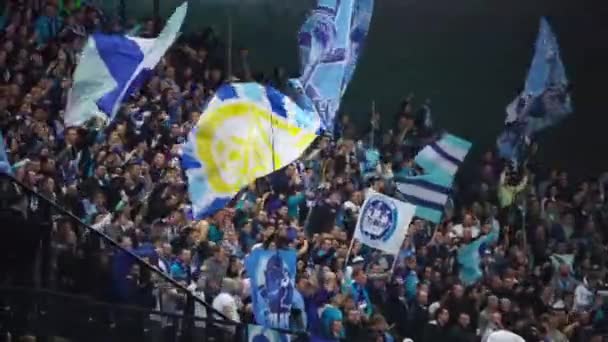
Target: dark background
[{"x": 470, "y": 57}]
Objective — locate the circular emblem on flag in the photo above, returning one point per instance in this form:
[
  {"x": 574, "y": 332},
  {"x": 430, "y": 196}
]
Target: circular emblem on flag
[
  {"x": 230, "y": 144},
  {"x": 379, "y": 219}
]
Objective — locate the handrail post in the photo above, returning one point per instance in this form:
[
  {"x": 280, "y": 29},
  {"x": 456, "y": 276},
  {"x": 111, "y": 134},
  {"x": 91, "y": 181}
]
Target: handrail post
[{"x": 188, "y": 323}]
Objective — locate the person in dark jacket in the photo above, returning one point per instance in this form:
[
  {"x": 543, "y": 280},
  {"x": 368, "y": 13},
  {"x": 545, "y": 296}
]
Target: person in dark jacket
[
  {"x": 19, "y": 244},
  {"x": 353, "y": 325},
  {"x": 419, "y": 316},
  {"x": 322, "y": 217},
  {"x": 437, "y": 330},
  {"x": 396, "y": 308},
  {"x": 461, "y": 332},
  {"x": 458, "y": 303},
  {"x": 20, "y": 236}
]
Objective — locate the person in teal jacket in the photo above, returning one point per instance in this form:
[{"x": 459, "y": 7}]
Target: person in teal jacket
[
  {"x": 468, "y": 255},
  {"x": 48, "y": 25},
  {"x": 329, "y": 317}
]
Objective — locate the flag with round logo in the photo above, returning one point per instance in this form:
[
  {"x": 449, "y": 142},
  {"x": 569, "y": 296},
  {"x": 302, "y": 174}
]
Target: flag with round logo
[
  {"x": 383, "y": 222},
  {"x": 247, "y": 131}
]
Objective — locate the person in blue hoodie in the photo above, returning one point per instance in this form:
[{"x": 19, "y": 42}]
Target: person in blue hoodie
[{"x": 359, "y": 292}]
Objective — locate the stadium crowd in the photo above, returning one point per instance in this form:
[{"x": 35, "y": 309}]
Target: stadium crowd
[{"x": 125, "y": 181}]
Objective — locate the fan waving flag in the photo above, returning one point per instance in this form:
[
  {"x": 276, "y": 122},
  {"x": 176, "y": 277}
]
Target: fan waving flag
[
  {"x": 247, "y": 131},
  {"x": 430, "y": 191},
  {"x": 331, "y": 40},
  {"x": 114, "y": 66},
  {"x": 5, "y": 165},
  {"x": 383, "y": 222},
  {"x": 545, "y": 99}
]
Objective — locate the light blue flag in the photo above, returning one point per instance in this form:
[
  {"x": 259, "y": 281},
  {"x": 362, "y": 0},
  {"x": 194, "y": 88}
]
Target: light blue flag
[
  {"x": 430, "y": 191},
  {"x": 5, "y": 165},
  {"x": 331, "y": 40},
  {"x": 247, "y": 131},
  {"x": 383, "y": 222},
  {"x": 369, "y": 165},
  {"x": 114, "y": 66},
  {"x": 545, "y": 100},
  {"x": 469, "y": 259},
  {"x": 512, "y": 143},
  {"x": 256, "y": 333},
  {"x": 272, "y": 275}
]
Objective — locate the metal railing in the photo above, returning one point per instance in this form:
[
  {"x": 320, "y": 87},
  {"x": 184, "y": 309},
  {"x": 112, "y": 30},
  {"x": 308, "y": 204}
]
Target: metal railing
[
  {"x": 46, "y": 314},
  {"x": 82, "y": 263}
]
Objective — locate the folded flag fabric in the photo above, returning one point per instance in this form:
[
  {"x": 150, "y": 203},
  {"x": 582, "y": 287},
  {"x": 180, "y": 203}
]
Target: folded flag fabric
[
  {"x": 331, "y": 40},
  {"x": 430, "y": 191},
  {"x": 5, "y": 165},
  {"x": 256, "y": 333},
  {"x": 246, "y": 131},
  {"x": 114, "y": 66},
  {"x": 383, "y": 222},
  {"x": 545, "y": 99}
]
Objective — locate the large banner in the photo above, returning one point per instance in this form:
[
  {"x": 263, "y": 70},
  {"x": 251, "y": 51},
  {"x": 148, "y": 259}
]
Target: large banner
[
  {"x": 272, "y": 275},
  {"x": 256, "y": 333},
  {"x": 383, "y": 222},
  {"x": 331, "y": 40}
]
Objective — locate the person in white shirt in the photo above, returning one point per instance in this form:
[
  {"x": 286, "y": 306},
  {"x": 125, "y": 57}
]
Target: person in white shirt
[
  {"x": 228, "y": 304},
  {"x": 583, "y": 296},
  {"x": 504, "y": 336},
  {"x": 469, "y": 222}
]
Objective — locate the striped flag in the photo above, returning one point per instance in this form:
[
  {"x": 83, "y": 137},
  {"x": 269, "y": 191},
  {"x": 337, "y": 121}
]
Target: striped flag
[
  {"x": 430, "y": 191},
  {"x": 114, "y": 66}
]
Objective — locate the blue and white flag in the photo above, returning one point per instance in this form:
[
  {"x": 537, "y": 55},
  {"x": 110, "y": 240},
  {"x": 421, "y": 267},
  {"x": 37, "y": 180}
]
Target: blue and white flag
[
  {"x": 430, "y": 191},
  {"x": 272, "y": 275},
  {"x": 545, "y": 99},
  {"x": 114, "y": 66},
  {"x": 256, "y": 333},
  {"x": 383, "y": 222},
  {"x": 5, "y": 165},
  {"x": 331, "y": 40},
  {"x": 247, "y": 131}
]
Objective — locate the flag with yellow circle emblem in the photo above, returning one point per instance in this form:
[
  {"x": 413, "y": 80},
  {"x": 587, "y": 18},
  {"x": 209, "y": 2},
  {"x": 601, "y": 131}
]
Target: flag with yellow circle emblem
[{"x": 246, "y": 131}]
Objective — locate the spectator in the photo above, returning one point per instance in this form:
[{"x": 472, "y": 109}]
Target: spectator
[
  {"x": 126, "y": 181},
  {"x": 437, "y": 329}
]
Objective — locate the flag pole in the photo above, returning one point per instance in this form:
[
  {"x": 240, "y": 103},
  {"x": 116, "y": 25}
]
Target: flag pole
[
  {"x": 394, "y": 264},
  {"x": 350, "y": 249},
  {"x": 372, "y": 122},
  {"x": 229, "y": 49}
]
